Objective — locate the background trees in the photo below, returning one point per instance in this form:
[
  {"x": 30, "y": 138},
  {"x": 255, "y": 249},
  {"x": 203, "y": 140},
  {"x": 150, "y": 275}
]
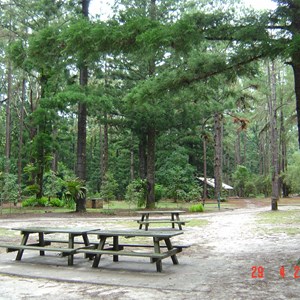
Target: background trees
[{"x": 134, "y": 97}]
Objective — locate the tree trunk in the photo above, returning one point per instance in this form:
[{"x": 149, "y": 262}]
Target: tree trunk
[
  {"x": 142, "y": 156},
  {"x": 283, "y": 150},
  {"x": 21, "y": 138},
  {"x": 218, "y": 154},
  {"x": 151, "y": 168},
  {"x": 238, "y": 148},
  {"x": 82, "y": 118},
  {"x": 105, "y": 150},
  {"x": 8, "y": 118},
  {"x": 204, "y": 169},
  {"x": 274, "y": 136},
  {"x": 131, "y": 161},
  {"x": 54, "y": 166}
]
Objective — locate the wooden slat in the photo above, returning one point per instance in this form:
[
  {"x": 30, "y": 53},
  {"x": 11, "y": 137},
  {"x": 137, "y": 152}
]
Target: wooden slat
[
  {"x": 150, "y": 246},
  {"x": 125, "y": 253},
  {"x": 66, "y": 242},
  {"x": 11, "y": 248},
  {"x": 161, "y": 221}
]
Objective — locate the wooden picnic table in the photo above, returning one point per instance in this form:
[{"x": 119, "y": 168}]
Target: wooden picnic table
[
  {"x": 42, "y": 244},
  {"x": 174, "y": 218},
  {"x": 117, "y": 249}
]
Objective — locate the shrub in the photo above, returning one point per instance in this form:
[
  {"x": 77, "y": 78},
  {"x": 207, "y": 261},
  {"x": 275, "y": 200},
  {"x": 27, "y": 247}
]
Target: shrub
[
  {"x": 159, "y": 192},
  {"x": 136, "y": 192},
  {"x": 55, "y": 202},
  {"x": 8, "y": 185},
  {"x": 196, "y": 208},
  {"x": 109, "y": 187},
  {"x": 33, "y": 202}
]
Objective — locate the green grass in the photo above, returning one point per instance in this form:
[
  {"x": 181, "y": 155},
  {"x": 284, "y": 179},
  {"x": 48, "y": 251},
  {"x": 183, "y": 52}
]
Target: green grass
[
  {"x": 279, "y": 222},
  {"x": 112, "y": 208},
  {"x": 31, "y": 210}
]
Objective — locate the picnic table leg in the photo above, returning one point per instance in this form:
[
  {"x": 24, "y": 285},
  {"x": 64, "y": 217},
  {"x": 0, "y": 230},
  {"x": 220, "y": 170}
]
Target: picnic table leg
[
  {"x": 23, "y": 242},
  {"x": 170, "y": 247},
  {"x": 147, "y": 224},
  {"x": 41, "y": 242},
  {"x": 116, "y": 247},
  {"x": 71, "y": 246},
  {"x": 157, "y": 250},
  {"x": 142, "y": 219},
  {"x": 178, "y": 219},
  {"x": 85, "y": 239},
  {"x": 86, "y": 243},
  {"x": 100, "y": 247},
  {"x": 173, "y": 219}
]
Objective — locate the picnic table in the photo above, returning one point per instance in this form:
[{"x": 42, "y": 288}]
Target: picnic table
[
  {"x": 117, "y": 249},
  {"x": 173, "y": 219},
  {"x": 42, "y": 244}
]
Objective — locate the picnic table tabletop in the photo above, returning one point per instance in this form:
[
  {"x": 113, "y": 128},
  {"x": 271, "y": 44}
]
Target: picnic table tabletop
[{"x": 48, "y": 230}]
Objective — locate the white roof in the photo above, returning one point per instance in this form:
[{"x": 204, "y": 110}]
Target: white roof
[{"x": 211, "y": 182}]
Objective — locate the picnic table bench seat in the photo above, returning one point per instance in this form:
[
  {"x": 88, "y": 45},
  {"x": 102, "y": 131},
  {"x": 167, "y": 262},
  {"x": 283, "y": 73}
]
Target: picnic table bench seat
[
  {"x": 121, "y": 246},
  {"x": 54, "y": 241},
  {"x": 151, "y": 255},
  {"x": 12, "y": 248},
  {"x": 161, "y": 221}
]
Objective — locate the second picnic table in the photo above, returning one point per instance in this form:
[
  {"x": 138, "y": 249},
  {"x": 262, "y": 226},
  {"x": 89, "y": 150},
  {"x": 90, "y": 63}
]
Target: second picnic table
[
  {"x": 174, "y": 218},
  {"x": 117, "y": 249}
]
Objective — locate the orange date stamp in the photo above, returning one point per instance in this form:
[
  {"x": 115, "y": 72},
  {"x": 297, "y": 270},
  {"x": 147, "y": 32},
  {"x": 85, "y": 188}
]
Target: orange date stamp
[{"x": 259, "y": 272}]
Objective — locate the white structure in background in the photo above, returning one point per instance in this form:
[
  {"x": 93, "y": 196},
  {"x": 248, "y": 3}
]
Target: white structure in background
[{"x": 211, "y": 182}]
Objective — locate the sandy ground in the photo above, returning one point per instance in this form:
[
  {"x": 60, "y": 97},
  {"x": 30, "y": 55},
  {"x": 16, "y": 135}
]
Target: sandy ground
[{"x": 222, "y": 262}]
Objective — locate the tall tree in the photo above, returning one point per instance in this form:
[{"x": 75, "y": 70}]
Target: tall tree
[
  {"x": 82, "y": 123},
  {"x": 274, "y": 135}
]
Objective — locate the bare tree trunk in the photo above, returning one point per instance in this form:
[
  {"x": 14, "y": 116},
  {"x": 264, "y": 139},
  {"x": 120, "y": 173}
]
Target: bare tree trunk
[
  {"x": 8, "y": 118},
  {"x": 218, "y": 154},
  {"x": 151, "y": 168},
  {"x": 82, "y": 120},
  {"x": 283, "y": 149},
  {"x": 204, "y": 168},
  {"x": 131, "y": 161},
  {"x": 238, "y": 148},
  {"x": 105, "y": 150},
  {"x": 142, "y": 156},
  {"x": 54, "y": 166},
  {"x": 274, "y": 136},
  {"x": 21, "y": 138},
  {"x": 244, "y": 161}
]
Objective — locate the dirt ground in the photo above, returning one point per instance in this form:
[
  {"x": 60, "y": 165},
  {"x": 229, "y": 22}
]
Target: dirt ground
[{"x": 224, "y": 261}]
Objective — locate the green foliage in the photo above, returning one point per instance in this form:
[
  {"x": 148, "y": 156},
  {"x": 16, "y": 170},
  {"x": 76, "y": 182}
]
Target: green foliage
[
  {"x": 31, "y": 189},
  {"x": 41, "y": 202},
  {"x": 52, "y": 184},
  {"x": 136, "y": 192},
  {"x": 75, "y": 189},
  {"x": 55, "y": 202},
  {"x": 160, "y": 192},
  {"x": 242, "y": 177},
  {"x": 292, "y": 175},
  {"x": 263, "y": 185},
  {"x": 177, "y": 176},
  {"x": 109, "y": 187},
  {"x": 196, "y": 208},
  {"x": 9, "y": 187}
]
